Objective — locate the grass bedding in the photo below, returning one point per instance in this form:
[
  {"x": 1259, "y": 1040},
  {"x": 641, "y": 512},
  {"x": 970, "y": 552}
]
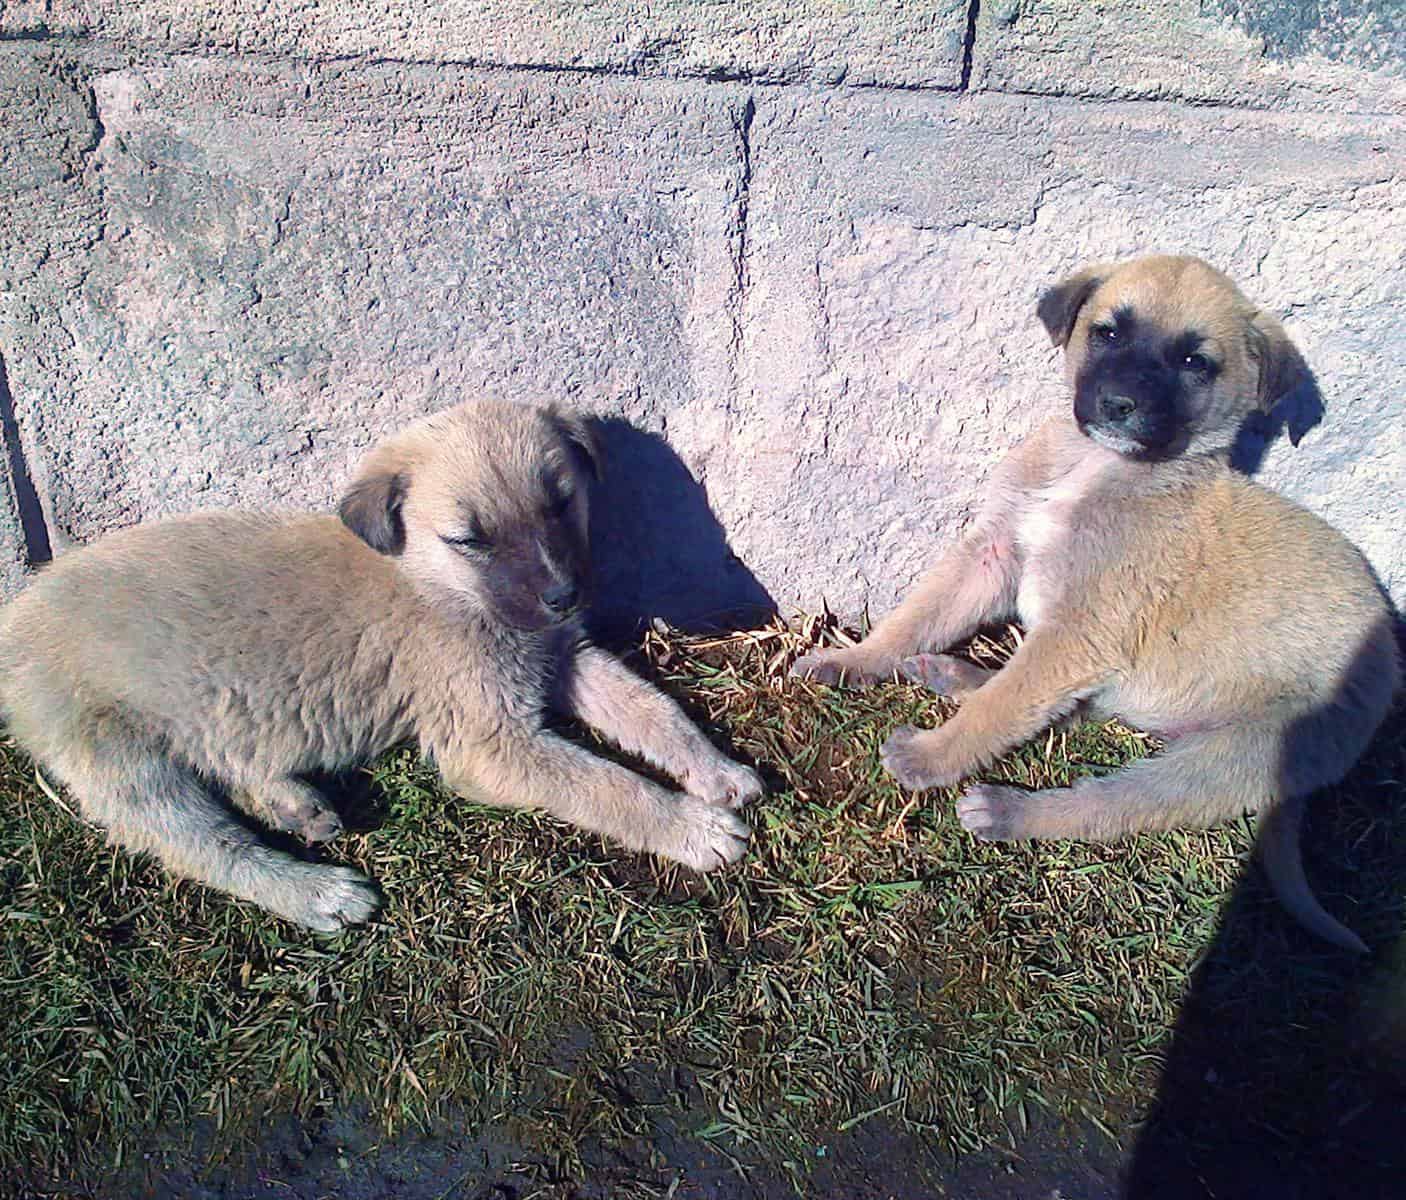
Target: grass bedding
[{"x": 867, "y": 960}]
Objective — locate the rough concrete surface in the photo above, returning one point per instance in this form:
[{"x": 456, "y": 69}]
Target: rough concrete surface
[
  {"x": 889, "y": 42},
  {"x": 1340, "y": 55},
  {"x": 245, "y": 239},
  {"x": 898, "y": 247}
]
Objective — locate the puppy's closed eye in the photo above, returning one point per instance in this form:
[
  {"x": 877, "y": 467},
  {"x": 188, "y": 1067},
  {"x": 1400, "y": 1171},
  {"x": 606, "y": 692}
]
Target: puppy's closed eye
[
  {"x": 474, "y": 543},
  {"x": 559, "y": 502}
]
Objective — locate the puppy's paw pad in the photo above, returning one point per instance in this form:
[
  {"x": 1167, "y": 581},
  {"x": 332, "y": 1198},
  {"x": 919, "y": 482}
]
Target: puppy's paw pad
[
  {"x": 909, "y": 757},
  {"x": 334, "y": 898},
  {"x": 296, "y": 808},
  {"x": 706, "y": 836},
  {"x": 943, "y": 674},
  {"x": 321, "y": 826},
  {"x": 991, "y": 812},
  {"x": 725, "y": 782}
]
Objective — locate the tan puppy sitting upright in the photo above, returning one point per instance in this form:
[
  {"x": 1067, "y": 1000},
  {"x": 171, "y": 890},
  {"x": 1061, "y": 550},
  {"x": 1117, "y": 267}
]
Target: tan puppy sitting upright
[
  {"x": 1155, "y": 583},
  {"x": 249, "y": 649}
]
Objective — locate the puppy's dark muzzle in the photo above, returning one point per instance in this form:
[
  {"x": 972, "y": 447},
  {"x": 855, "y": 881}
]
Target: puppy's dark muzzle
[
  {"x": 1116, "y": 409},
  {"x": 562, "y": 601},
  {"x": 1130, "y": 403}
]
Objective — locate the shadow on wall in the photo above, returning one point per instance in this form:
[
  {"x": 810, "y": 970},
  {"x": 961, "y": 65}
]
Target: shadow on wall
[
  {"x": 659, "y": 550},
  {"x": 1294, "y": 413},
  {"x": 1368, "y": 33},
  {"x": 33, "y": 529},
  {"x": 1286, "y": 1073}
]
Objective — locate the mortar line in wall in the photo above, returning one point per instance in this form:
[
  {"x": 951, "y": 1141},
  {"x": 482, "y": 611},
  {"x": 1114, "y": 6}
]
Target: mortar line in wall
[
  {"x": 742, "y": 128},
  {"x": 969, "y": 44},
  {"x": 744, "y": 189},
  {"x": 33, "y": 528},
  {"x": 718, "y": 77}
]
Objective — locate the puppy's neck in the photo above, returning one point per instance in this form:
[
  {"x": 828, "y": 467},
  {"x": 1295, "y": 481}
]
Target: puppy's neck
[{"x": 447, "y": 606}]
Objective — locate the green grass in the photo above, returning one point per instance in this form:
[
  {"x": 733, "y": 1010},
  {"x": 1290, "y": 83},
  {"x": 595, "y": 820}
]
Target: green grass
[{"x": 866, "y": 961}]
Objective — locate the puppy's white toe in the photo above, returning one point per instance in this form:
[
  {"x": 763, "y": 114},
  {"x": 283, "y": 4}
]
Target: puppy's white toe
[
  {"x": 909, "y": 756},
  {"x": 725, "y": 782},
  {"x": 943, "y": 674},
  {"x": 839, "y": 668},
  {"x": 328, "y": 899},
  {"x": 706, "y": 836},
  {"x": 991, "y": 812}
]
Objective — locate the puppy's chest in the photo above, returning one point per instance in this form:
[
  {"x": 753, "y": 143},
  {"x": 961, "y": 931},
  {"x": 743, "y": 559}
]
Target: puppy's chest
[{"x": 1049, "y": 528}]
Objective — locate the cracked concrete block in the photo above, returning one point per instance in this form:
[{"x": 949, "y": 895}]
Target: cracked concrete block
[
  {"x": 888, "y": 42},
  {"x": 288, "y": 261},
  {"x": 49, "y": 221},
  {"x": 896, "y": 249},
  {"x": 804, "y": 316},
  {"x": 1343, "y": 55}
]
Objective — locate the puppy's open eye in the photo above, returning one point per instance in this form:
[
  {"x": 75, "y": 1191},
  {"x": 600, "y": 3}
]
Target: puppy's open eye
[
  {"x": 1198, "y": 364},
  {"x": 1104, "y": 332}
]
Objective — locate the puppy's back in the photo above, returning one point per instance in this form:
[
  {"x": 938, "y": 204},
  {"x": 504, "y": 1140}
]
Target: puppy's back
[
  {"x": 197, "y": 630},
  {"x": 1247, "y": 602}
]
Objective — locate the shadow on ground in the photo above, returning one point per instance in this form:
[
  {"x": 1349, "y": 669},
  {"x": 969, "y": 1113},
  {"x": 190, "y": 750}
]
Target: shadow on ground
[
  {"x": 1367, "y": 33},
  {"x": 1286, "y": 1072},
  {"x": 348, "y": 1156}
]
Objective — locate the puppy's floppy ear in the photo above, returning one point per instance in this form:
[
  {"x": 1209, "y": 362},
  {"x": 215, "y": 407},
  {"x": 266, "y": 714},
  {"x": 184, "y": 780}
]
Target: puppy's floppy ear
[
  {"x": 1059, "y": 307},
  {"x": 371, "y": 506},
  {"x": 575, "y": 430},
  {"x": 1282, "y": 368}
]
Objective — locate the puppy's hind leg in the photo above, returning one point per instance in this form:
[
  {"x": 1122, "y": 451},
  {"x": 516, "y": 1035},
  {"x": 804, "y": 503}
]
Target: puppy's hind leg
[
  {"x": 944, "y": 675},
  {"x": 295, "y": 807},
  {"x": 600, "y": 690},
  {"x": 1201, "y": 779},
  {"x": 972, "y": 584},
  {"x": 151, "y": 804}
]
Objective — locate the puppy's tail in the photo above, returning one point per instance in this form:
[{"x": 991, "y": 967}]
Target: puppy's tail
[{"x": 1283, "y": 862}]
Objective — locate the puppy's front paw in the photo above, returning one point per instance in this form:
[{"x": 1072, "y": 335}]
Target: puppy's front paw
[
  {"x": 841, "y": 668},
  {"x": 993, "y": 813},
  {"x": 943, "y": 674},
  {"x": 328, "y": 899},
  {"x": 725, "y": 782},
  {"x": 704, "y": 836},
  {"x": 915, "y": 757}
]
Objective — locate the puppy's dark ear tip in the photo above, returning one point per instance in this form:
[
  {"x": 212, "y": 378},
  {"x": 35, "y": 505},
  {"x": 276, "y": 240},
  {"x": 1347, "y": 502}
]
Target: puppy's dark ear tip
[
  {"x": 1283, "y": 370},
  {"x": 576, "y": 431},
  {"x": 1058, "y": 307},
  {"x": 371, "y": 510},
  {"x": 1050, "y": 310}
]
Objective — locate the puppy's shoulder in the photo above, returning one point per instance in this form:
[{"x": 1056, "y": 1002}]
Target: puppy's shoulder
[{"x": 1035, "y": 461}]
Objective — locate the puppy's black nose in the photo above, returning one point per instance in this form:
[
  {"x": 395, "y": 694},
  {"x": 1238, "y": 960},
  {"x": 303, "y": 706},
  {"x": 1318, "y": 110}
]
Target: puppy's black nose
[
  {"x": 1116, "y": 408},
  {"x": 561, "y": 597}
]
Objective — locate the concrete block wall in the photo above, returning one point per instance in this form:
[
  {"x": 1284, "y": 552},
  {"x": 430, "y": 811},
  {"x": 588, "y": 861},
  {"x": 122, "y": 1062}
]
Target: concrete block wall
[{"x": 789, "y": 254}]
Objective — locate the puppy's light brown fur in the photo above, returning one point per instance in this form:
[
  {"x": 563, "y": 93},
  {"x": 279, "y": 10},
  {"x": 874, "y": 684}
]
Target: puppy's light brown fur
[
  {"x": 1154, "y": 583},
  {"x": 248, "y": 649}
]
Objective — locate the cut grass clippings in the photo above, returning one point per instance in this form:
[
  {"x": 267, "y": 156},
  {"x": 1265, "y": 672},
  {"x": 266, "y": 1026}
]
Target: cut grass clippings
[{"x": 866, "y": 959}]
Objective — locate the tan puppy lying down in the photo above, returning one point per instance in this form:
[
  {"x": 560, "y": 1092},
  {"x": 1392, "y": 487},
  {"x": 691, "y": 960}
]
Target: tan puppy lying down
[{"x": 248, "y": 649}]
